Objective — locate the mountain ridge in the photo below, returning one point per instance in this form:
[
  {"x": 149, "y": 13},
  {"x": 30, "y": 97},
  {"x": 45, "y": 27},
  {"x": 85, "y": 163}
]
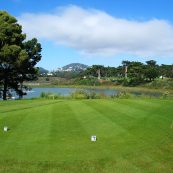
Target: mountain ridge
[{"x": 73, "y": 67}]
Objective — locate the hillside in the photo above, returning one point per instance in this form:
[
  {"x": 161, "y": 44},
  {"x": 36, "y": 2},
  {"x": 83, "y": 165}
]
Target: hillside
[
  {"x": 42, "y": 70},
  {"x": 74, "y": 67}
]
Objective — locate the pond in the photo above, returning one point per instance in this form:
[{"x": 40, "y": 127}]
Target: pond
[{"x": 35, "y": 92}]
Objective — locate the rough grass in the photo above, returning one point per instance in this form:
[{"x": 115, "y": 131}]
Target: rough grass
[{"x": 134, "y": 136}]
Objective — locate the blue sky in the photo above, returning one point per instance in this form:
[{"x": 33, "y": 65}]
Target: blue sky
[{"x": 97, "y": 31}]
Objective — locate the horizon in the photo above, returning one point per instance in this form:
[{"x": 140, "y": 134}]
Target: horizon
[{"x": 93, "y": 32}]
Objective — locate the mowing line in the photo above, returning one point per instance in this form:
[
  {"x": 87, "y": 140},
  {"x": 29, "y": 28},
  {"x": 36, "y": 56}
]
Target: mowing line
[{"x": 30, "y": 107}]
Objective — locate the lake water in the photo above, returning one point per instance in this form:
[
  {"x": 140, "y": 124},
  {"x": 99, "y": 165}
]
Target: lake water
[{"x": 35, "y": 92}]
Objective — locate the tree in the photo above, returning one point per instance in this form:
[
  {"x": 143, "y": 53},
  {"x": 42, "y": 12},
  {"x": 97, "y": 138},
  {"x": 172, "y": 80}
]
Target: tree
[
  {"x": 166, "y": 71},
  {"x": 151, "y": 70},
  {"x": 17, "y": 58},
  {"x": 96, "y": 71},
  {"x": 135, "y": 73},
  {"x": 151, "y": 63},
  {"x": 136, "y": 69},
  {"x": 27, "y": 70}
]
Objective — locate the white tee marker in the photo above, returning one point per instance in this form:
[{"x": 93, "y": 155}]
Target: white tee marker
[
  {"x": 93, "y": 138},
  {"x": 5, "y": 128}
]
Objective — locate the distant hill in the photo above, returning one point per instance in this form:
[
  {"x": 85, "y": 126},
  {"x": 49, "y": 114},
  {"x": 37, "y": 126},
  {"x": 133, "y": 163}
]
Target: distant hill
[
  {"x": 42, "y": 70},
  {"x": 73, "y": 67}
]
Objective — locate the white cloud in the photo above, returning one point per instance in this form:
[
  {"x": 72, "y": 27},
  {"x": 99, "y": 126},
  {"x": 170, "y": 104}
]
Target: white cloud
[{"x": 95, "y": 32}]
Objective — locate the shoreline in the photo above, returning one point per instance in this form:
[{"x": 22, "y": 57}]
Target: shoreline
[{"x": 121, "y": 88}]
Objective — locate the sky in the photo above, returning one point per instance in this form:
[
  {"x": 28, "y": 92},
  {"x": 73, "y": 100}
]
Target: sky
[{"x": 104, "y": 32}]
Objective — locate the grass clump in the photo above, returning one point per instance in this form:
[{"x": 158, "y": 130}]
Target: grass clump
[
  {"x": 161, "y": 84},
  {"x": 50, "y": 95},
  {"x": 78, "y": 94},
  {"x": 122, "y": 95}
]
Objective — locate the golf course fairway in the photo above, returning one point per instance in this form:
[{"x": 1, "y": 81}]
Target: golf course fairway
[{"x": 54, "y": 136}]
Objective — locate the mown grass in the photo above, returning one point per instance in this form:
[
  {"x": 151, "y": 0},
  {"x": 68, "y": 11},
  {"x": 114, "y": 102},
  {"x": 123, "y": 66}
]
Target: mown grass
[{"x": 134, "y": 136}]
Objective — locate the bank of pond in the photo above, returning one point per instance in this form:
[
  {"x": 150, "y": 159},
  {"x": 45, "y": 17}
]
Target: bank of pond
[{"x": 90, "y": 93}]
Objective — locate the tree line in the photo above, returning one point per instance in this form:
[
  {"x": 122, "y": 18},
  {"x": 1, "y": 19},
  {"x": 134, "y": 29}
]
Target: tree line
[{"x": 131, "y": 72}]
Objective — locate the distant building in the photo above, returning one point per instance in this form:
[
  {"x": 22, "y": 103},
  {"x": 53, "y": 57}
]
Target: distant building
[{"x": 49, "y": 74}]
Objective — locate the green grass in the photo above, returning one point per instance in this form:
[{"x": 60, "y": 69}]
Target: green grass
[{"x": 134, "y": 136}]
